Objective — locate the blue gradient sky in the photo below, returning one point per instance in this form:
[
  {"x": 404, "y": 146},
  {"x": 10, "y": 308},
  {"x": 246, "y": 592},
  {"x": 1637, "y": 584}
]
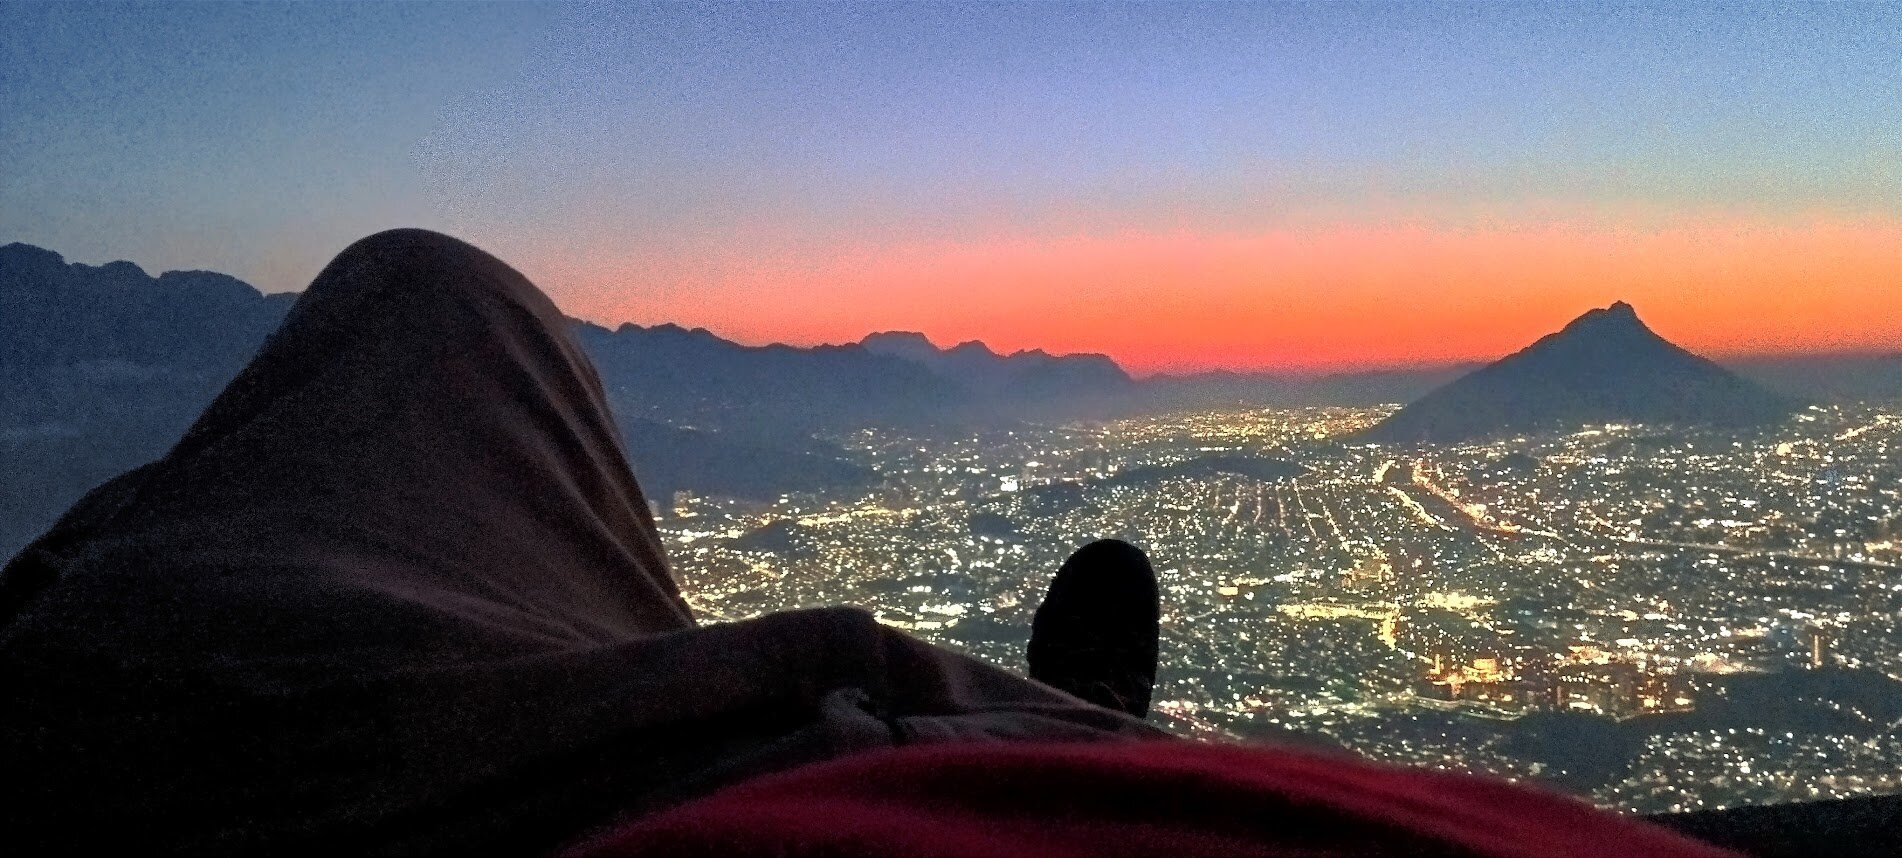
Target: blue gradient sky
[{"x": 750, "y": 168}]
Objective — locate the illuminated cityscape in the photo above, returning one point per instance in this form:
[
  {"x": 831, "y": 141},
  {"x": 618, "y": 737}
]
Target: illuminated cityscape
[{"x": 1658, "y": 619}]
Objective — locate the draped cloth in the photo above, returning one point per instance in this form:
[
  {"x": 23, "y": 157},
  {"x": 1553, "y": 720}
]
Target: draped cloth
[
  {"x": 1130, "y": 800},
  {"x": 397, "y": 591}
]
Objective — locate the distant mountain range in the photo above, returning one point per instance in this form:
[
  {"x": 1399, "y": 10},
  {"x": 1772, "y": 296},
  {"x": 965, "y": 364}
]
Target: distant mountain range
[
  {"x": 103, "y": 367},
  {"x": 695, "y": 379},
  {"x": 1025, "y": 385},
  {"x": 1604, "y": 367}
]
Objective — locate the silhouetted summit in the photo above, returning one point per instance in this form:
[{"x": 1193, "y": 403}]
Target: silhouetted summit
[
  {"x": 105, "y": 367},
  {"x": 974, "y": 365},
  {"x": 61, "y": 314},
  {"x": 1030, "y": 383},
  {"x": 1604, "y": 367},
  {"x": 679, "y": 375}
]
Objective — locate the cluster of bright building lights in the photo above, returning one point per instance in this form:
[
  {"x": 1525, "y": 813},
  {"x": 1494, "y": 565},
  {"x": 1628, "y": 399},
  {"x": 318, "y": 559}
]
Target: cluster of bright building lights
[{"x": 1433, "y": 605}]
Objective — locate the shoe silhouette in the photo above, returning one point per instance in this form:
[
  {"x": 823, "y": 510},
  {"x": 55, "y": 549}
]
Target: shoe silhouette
[{"x": 1094, "y": 636}]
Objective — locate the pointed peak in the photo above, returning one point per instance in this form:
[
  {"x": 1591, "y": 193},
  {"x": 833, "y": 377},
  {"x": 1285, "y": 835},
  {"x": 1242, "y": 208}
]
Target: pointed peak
[
  {"x": 973, "y": 347},
  {"x": 897, "y": 337},
  {"x": 1606, "y": 366},
  {"x": 1618, "y": 316}
]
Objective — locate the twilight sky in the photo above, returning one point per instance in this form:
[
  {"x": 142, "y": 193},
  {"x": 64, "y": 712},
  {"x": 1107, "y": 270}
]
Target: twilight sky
[{"x": 1181, "y": 186}]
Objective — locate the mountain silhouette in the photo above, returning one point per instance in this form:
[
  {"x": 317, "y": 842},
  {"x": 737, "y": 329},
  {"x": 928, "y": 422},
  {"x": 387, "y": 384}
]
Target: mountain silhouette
[
  {"x": 691, "y": 376},
  {"x": 1029, "y": 384},
  {"x": 1604, "y": 367},
  {"x": 61, "y": 314},
  {"x": 106, "y": 366}
]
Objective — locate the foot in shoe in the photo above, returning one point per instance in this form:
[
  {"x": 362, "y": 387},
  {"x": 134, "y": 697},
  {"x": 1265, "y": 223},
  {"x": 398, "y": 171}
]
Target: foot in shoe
[{"x": 1094, "y": 636}]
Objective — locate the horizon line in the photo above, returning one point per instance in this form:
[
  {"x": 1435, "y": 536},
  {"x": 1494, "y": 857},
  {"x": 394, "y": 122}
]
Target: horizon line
[
  {"x": 1164, "y": 370},
  {"x": 1311, "y": 372}
]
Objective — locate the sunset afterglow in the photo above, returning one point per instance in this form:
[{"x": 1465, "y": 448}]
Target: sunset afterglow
[
  {"x": 1180, "y": 186},
  {"x": 1313, "y": 298}
]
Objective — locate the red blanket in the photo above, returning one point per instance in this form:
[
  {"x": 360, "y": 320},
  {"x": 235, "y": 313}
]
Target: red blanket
[{"x": 1176, "y": 799}]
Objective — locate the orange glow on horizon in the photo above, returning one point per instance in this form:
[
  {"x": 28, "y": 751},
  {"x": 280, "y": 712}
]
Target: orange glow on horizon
[{"x": 1297, "y": 299}]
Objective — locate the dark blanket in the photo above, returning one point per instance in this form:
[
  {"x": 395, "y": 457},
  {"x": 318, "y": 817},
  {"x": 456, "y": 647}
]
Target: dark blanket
[{"x": 397, "y": 592}]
